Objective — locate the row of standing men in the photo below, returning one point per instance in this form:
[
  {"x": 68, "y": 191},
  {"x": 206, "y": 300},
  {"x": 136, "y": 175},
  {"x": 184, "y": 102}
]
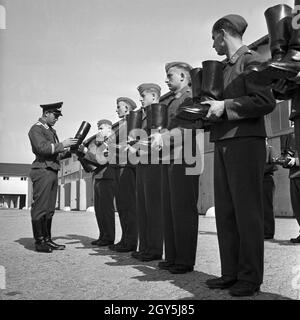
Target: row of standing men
[{"x": 238, "y": 132}]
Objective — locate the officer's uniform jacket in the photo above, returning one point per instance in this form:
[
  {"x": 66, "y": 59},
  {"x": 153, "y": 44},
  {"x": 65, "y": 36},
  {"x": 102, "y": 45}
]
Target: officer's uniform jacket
[
  {"x": 246, "y": 102},
  {"x": 46, "y": 146}
]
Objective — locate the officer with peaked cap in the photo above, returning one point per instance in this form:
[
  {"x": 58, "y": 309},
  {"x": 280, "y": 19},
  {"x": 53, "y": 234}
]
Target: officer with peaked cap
[
  {"x": 126, "y": 186},
  {"x": 239, "y": 160},
  {"x": 104, "y": 178},
  {"x": 179, "y": 190},
  {"x": 148, "y": 183},
  {"x": 48, "y": 151}
]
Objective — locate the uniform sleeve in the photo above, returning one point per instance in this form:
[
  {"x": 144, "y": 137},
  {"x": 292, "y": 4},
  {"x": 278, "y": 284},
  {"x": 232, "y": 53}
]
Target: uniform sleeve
[
  {"x": 257, "y": 101},
  {"x": 41, "y": 145}
]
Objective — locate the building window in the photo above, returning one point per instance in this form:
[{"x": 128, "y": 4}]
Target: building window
[
  {"x": 23, "y": 178},
  {"x": 67, "y": 162},
  {"x": 5, "y": 178}
]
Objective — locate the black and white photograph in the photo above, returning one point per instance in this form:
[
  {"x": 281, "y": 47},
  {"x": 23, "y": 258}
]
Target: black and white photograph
[{"x": 149, "y": 153}]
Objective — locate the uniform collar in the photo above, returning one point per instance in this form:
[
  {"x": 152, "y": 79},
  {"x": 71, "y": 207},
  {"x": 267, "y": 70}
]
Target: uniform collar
[
  {"x": 182, "y": 92},
  {"x": 43, "y": 122},
  {"x": 241, "y": 51}
]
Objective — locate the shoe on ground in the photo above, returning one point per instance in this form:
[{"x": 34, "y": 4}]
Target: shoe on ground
[
  {"x": 125, "y": 248},
  {"x": 104, "y": 243},
  {"x": 223, "y": 282},
  {"x": 137, "y": 254},
  {"x": 113, "y": 247},
  {"x": 180, "y": 269},
  {"x": 267, "y": 237},
  {"x": 41, "y": 246},
  {"x": 165, "y": 265},
  {"x": 95, "y": 242},
  {"x": 295, "y": 240},
  {"x": 55, "y": 246},
  {"x": 244, "y": 288},
  {"x": 149, "y": 257}
]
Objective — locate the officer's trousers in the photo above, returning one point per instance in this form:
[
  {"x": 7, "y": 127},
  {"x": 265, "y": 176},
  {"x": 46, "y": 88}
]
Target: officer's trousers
[
  {"x": 44, "y": 191},
  {"x": 180, "y": 214},
  {"x": 295, "y": 197},
  {"x": 126, "y": 204},
  {"x": 149, "y": 214},
  {"x": 269, "y": 218},
  {"x": 238, "y": 189}
]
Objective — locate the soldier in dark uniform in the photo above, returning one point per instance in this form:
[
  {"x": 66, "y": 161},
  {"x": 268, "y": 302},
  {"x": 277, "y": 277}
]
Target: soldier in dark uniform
[
  {"x": 269, "y": 189},
  {"x": 104, "y": 178},
  {"x": 289, "y": 147},
  {"x": 179, "y": 190},
  {"x": 148, "y": 185},
  {"x": 126, "y": 186},
  {"x": 239, "y": 159},
  {"x": 48, "y": 151}
]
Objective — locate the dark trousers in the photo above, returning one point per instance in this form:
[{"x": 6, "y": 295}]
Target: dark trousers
[
  {"x": 104, "y": 192},
  {"x": 149, "y": 215},
  {"x": 180, "y": 214},
  {"x": 126, "y": 204},
  {"x": 44, "y": 182},
  {"x": 238, "y": 188},
  {"x": 269, "y": 218},
  {"x": 295, "y": 197}
]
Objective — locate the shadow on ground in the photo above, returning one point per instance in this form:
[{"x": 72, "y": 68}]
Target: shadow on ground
[{"x": 193, "y": 282}]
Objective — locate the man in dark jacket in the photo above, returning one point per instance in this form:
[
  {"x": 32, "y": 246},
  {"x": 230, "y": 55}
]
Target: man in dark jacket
[
  {"x": 239, "y": 159},
  {"x": 48, "y": 151}
]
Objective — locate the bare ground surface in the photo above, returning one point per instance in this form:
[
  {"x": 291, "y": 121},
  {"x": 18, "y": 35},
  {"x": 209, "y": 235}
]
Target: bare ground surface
[{"x": 83, "y": 271}]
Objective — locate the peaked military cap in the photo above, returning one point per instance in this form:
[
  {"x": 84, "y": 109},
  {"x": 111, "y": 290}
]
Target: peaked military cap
[
  {"x": 128, "y": 101},
  {"x": 149, "y": 86},
  {"x": 178, "y": 64},
  {"x": 238, "y": 22},
  {"x": 104, "y": 121},
  {"x": 53, "y": 107}
]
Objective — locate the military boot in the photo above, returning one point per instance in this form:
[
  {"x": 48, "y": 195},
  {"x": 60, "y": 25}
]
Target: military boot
[
  {"x": 278, "y": 19},
  {"x": 207, "y": 85},
  {"x": 190, "y": 108},
  {"x": 47, "y": 223},
  {"x": 40, "y": 244},
  {"x": 289, "y": 66}
]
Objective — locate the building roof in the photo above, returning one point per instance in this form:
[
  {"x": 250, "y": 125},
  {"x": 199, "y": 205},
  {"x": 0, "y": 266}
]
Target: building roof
[{"x": 14, "y": 169}]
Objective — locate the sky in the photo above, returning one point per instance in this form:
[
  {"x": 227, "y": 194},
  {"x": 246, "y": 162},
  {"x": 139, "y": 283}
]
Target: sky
[{"x": 89, "y": 53}]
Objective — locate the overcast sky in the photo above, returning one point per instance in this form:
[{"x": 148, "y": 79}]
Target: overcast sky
[{"x": 88, "y": 53}]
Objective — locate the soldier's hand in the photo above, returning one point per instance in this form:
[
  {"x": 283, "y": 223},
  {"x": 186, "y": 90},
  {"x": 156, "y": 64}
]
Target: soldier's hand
[
  {"x": 296, "y": 79},
  {"x": 216, "y": 109},
  {"x": 280, "y": 86},
  {"x": 290, "y": 162},
  {"x": 156, "y": 141},
  {"x": 82, "y": 149},
  {"x": 69, "y": 142}
]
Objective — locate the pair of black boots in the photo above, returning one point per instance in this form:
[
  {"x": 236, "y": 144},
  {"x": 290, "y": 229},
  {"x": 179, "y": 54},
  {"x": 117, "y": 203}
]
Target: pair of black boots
[
  {"x": 42, "y": 235},
  {"x": 207, "y": 84},
  {"x": 284, "y": 39}
]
